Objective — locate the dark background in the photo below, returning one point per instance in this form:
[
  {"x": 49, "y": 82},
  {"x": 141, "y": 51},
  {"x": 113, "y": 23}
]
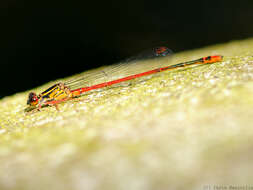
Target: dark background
[{"x": 45, "y": 40}]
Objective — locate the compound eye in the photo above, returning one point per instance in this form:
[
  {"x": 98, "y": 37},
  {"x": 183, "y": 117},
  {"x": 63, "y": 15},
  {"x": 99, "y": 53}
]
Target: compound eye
[{"x": 32, "y": 99}]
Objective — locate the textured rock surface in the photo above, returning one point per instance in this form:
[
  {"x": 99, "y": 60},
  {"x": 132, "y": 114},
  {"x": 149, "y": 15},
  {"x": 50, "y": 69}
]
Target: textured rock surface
[{"x": 180, "y": 129}]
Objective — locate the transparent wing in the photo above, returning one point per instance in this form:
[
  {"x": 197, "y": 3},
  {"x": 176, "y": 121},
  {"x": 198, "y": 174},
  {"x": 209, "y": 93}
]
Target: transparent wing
[{"x": 133, "y": 65}]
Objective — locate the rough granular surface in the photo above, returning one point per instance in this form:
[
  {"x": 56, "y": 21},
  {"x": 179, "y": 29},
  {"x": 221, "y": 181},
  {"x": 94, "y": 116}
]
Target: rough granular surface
[{"x": 184, "y": 129}]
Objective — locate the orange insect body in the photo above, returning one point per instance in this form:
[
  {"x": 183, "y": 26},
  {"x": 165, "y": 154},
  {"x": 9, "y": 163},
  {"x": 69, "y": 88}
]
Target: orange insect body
[{"x": 61, "y": 92}]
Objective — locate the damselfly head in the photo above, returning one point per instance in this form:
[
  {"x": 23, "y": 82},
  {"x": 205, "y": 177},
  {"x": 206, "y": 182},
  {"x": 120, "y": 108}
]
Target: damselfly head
[{"x": 32, "y": 99}]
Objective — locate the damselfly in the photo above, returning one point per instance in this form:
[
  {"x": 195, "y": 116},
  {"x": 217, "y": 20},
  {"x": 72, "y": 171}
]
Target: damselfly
[{"x": 71, "y": 89}]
